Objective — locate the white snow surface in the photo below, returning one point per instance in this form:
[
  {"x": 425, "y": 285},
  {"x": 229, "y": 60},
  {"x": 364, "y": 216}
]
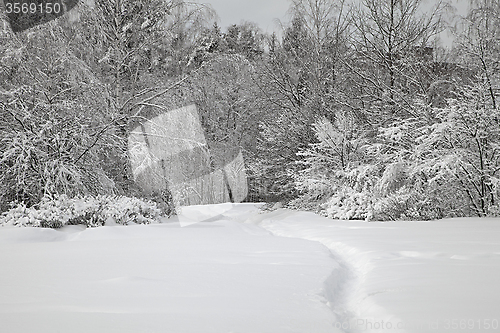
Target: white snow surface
[
  {"x": 228, "y": 268},
  {"x": 437, "y": 276}
]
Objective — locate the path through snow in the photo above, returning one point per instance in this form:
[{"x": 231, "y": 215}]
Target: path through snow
[{"x": 418, "y": 277}]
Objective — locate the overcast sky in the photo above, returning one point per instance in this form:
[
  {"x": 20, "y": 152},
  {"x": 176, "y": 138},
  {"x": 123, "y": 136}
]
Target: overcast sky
[{"x": 264, "y": 12}]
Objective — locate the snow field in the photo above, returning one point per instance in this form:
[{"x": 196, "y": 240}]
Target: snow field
[
  {"x": 228, "y": 268},
  {"x": 220, "y": 276},
  {"x": 433, "y": 276}
]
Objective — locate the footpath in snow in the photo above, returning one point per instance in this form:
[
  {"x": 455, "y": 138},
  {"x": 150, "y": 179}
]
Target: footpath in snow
[{"x": 437, "y": 276}]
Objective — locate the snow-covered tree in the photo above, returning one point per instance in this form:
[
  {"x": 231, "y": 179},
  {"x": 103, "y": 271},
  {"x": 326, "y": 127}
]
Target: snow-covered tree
[
  {"x": 337, "y": 176},
  {"x": 450, "y": 155},
  {"x": 105, "y": 62},
  {"x": 464, "y": 146},
  {"x": 300, "y": 79}
]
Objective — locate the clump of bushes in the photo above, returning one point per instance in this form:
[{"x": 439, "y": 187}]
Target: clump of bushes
[
  {"x": 48, "y": 148},
  {"x": 90, "y": 211},
  {"x": 443, "y": 163}
]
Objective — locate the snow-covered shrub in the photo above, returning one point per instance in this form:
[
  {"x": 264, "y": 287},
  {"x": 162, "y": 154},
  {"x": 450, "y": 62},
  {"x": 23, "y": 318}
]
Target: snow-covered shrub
[
  {"x": 354, "y": 194},
  {"x": 394, "y": 177},
  {"x": 443, "y": 162},
  {"x": 349, "y": 204},
  {"x": 422, "y": 202},
  {"x": 407, "y": 204},
  {"x": 349, "y": 176},
  {"x": 49, "y": 148},
  {"x": 125, "y": 210},
  {"x": 460, "y": 149},
  {"x": 330, "y": 167},
  {"x": 90, "y": 211},
  {"x": 20, "y": 216},
  {"x": 446, "y": 160},
  {"x": 419, "y": 180}
]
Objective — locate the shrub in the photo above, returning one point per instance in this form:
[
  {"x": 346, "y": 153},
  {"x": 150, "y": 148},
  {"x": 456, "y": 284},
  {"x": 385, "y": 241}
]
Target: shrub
[
  {"x": 90, "y": 211},
  {"x": 333, "y": 167},
  {"x": 349, "y": 204},
  {"x": 443, "y": 163},
  {"x": 407, "y": 204},
  {"x": 48, "y": 149}
]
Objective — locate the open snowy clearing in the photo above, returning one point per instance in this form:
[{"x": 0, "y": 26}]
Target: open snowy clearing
[{"x": 231, "y": 273}]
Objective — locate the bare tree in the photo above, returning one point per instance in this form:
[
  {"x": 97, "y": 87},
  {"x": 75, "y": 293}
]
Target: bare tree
[
  {"x": 392, "y": 43},
  {"x": 478, "y": 43}
]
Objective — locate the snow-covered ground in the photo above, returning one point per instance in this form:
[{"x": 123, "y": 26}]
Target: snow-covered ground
[
  {"x": 439, "y": 276},
  {"x": 232, "y": 272}
]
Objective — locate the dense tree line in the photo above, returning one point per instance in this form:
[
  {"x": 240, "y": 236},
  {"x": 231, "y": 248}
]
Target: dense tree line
[{"x": 353, "y": 111}]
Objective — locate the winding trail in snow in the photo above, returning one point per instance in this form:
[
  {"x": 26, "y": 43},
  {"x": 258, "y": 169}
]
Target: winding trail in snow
[
  {"x": 405, "y": 276},
  {"x": 344, "y": 289}
]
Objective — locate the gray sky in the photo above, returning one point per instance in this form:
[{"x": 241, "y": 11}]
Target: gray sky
[{"x": 264, "y": 12}]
